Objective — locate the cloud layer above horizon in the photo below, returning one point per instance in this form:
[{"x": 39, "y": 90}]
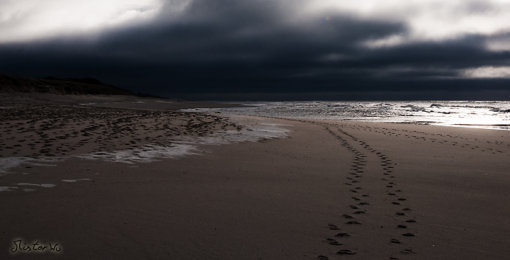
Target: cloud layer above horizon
[{"x": 260, "y": 45}]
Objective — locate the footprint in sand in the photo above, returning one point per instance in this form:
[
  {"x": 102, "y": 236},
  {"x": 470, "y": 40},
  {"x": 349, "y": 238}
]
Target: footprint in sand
[
  {"x": 333, "y": 227},
  {"x": 342, "y": 234},
  {"x": 407, "y": 251},
  {"x": 346, "y": 252},
  {"x": 333, "y": 242}
]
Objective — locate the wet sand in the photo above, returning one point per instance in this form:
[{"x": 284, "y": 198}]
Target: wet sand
[
  {"x": 42, "y": 128},
  {"x": 329, "y": 190}
]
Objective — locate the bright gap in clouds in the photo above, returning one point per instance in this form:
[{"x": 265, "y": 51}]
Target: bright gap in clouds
[
  {"x": 426, "y": 20},
  {"x": 487, "y": 72},
  {"x": 26, "y": 20}
]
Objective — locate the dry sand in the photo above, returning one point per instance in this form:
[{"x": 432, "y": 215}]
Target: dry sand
[{"x": 330, "y": 189}]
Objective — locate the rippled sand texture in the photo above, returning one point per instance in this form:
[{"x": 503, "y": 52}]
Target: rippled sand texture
[{"x": 59, "y": 130}]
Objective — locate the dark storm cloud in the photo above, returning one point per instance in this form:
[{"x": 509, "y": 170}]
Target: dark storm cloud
[{"x": 227, "y": 46}]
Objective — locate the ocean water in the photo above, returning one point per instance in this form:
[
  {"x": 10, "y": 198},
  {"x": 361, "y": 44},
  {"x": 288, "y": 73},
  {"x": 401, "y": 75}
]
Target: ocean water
[{"x": 476, "y": 114}]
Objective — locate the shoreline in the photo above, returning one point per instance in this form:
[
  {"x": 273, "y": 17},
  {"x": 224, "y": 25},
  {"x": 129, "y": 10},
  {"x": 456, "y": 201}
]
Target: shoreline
[{"x": 481, "y": 114}]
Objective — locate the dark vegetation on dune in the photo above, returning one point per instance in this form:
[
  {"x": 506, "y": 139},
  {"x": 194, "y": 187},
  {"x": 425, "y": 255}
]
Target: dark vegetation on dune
[{"x": 58, "y": 86}]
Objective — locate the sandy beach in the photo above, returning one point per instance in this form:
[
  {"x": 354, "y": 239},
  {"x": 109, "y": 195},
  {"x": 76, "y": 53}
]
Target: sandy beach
[{"x": 325, "y": 190}]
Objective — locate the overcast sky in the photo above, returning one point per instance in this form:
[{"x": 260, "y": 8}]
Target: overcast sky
[{"x": 266, "y": 48}]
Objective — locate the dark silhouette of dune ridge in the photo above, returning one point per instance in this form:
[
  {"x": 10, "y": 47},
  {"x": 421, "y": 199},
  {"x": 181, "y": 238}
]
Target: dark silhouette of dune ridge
[{"x": 54, "y": 85}]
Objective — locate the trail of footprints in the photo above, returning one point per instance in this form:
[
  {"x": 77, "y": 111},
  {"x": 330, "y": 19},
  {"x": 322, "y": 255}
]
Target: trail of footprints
[
  {"x": 360, "y": 208},
  {"x": 461, "y": 142}
]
